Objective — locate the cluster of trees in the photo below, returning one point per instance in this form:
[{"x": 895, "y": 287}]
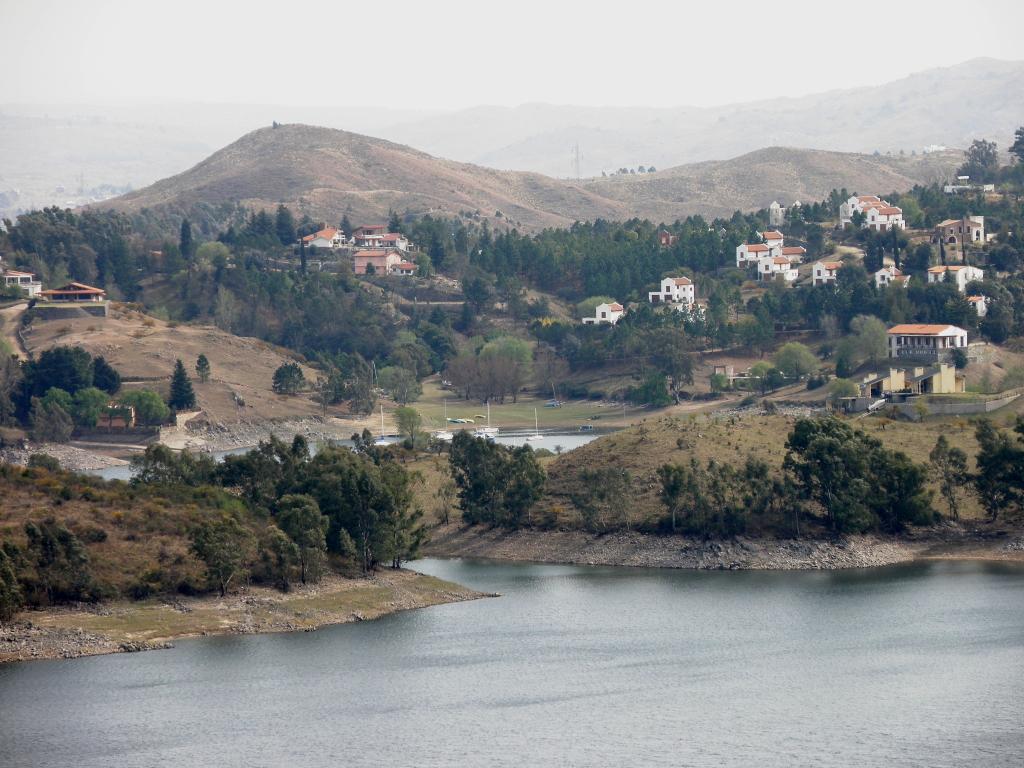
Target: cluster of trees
[
  {"x": 496, "y": 484},
  {"x": 498, "y": 368}
]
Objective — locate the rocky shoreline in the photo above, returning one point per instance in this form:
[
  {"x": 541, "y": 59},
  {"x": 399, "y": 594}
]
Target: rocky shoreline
[
  {"x": 742, "y": 553},
  {"x": 126, "y": 627}
]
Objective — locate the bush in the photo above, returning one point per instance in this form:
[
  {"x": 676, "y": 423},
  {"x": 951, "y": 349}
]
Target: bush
[{"x": 43, "y": 461}]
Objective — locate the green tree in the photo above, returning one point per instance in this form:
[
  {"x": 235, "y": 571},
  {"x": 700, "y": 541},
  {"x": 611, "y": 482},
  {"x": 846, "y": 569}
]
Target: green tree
[
  {"x": 409, "y": 423},
  {"x": 675, "y": 483},
  {"x": 203, "y": 368},
  {"x": 185, "y": 243},
  {"x": 840, "y": 388},
  {"x": 496, "y": 484},
  {"x": 49, "y": 422},
  {"x": 982, "y": 162},
  {"x": 89, "y": 404},
  {"x": 394, "y": 222},
  {"x": 60, "y": 562},
  {"x": 400, "y": 383},
  {"x": 299, "y": 516},
  {"x": 999, "y": 481},
  {"x": 105, "y": 376},
  {"x": 278, "y": 558},
  {"x": 949, "y": 466},
  {"x": 284, "y": 225},
  {"x": 220, "y": 542},
  {"x": 11, "y": 598},
  {"x": 795, "y": 360},
  {"x": 150, "y": 409},
  {"x": 67, "y": 368},
  {"x": 182, "y": 396},
  {"x": 1017, "y": 148},
  {"x": 871, "y": 338},
  {"x": 288, "y": 379}
]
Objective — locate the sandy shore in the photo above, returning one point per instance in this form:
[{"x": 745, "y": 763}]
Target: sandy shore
[
  {"x": 644, "y": 550},
  {"x": 125, "y": 626}
]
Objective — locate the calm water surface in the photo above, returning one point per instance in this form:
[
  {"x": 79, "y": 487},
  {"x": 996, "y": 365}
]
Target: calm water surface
[{"x": 573, "y": 666}]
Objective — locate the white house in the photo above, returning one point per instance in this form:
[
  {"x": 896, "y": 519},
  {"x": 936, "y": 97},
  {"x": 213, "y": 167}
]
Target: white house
[
  {"x": 606, "y": 313},
  {"x": 397, "y": 241},
  {"x": 890, "y": 276},
  {"x": 879, "y": 215},
  {"x": 674, "y": 290},
  {"x": 825, "y": 272},
  {"x": 752, "y": 253},
  {"x": 405, "y": 269},
  {"x": 26, "y": 281},
  {"x": 776, "y": 214},
  {"x": 980, "y": 304},
  {"x": 770, "y": 267},
  {"x": 772, "y": 238},
  {"x": 960, "y": 273},
  {"x": 325, "y": 238},
  {"x": 925, "y": 340}
]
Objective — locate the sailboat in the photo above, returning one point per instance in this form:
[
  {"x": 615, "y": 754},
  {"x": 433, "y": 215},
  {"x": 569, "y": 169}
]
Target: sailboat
[
  {"x": 536, "y": 430},
  {"x": 380, "y": 440},
  {"x": 445, "y": 434},
  {"x": 489, "y": 432}
]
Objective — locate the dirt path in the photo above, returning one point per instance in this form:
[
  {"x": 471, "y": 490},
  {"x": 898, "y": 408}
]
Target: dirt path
[{"x": 10, "y": 322}]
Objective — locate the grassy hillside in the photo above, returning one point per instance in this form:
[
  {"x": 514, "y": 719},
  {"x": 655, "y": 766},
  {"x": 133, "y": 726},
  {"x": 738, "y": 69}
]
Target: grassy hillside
[{"x": 326, "y": 173}]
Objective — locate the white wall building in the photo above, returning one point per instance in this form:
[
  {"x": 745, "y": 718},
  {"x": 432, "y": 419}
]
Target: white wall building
[
  {"x": 925, "y": 340},
  {"x": 879, "y": 215},
  {"x": 959, "y": 273},
  {"x": 771, "y": 267},
  {"x": 325, "y": 238},
  {"x": 26, "y": 281},
  {"x": 890, "y": 276},
  {"x": 751, "y": 253},
  {"x": 825, "y": 272},
  {"x": 980, "y": 304},
  {"x": 674, "y": 290},
  {"x": 605, "y": 313}
]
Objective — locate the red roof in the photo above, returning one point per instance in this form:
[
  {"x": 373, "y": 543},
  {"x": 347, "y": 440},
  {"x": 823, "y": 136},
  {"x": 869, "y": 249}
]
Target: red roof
[
  {"x": 391, "y": 237},
  {"x": 406, "y": 265},
  {"x": 831, "y": 265},
  {"x": 773, "y": 235},
  {"x": 793, "y": 250},
  {"x": 756, "y": 248},
  {"x": 76, "y": 288},
  {"x": 370, "y": 254},
  {"x": 681, "y": 280},
  {"x": 780, "y": 260},
  {"x": 921, "y": 329},
  {"x": 615, "y": 307},
  {"x": 16, "y": 273},
  {"x": 890, "y": 211}
]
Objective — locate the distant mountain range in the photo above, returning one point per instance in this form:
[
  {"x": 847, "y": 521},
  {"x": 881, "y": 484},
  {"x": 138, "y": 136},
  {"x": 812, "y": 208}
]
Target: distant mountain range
[
  {"x": 63, "y": 154},
  {"x": 327, "y": 173}
]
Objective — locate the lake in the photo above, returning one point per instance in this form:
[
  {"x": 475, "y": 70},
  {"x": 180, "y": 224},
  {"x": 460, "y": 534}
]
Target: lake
[{"x": 919, "y": 665}]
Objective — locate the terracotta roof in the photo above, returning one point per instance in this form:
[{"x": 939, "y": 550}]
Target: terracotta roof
[
  {"x": 831, "y": 265},
  {"x": 922, "y": 329},
  {"x": 773, "y": 235},
  {"x": 937, "y": 270},
  {"x": 681, "y": 280},
  {"x": 392, "y": 236},
  {"x": 890, "y": 210},
  {"x": 793, "y": 250},
  {"x": 406, "y": 265},
  {"x": 865, "y": 198},
  {"x": 780, "y": 260},
  {"x": 902, "y": 278},
  {"x": 756, "y": 247},
  {"x": 16, "y": 273},
  {"x": 975, "y": 299},
  {"x": 948, "y": 223},
  {"x": 370, "y": 254},
  {"x": 615, "y": 307}
]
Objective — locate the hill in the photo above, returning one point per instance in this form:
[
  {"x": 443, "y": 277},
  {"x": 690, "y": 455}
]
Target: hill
[{"x": 326, "y": 173}]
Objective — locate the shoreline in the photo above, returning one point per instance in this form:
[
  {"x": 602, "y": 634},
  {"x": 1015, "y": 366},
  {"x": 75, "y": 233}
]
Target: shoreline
[
  {"x": 124, "y": 626},
  {"x": 631, "y": 549}
]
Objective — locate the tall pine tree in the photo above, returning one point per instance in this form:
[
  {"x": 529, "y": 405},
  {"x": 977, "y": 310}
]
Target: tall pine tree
[
  {"x": 182, "y": 395},
  {"x": 203, "y": 368}
]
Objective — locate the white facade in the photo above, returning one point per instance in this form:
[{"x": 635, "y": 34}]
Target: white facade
[
  {"x": 772, "y": 266},
  {"x": 825, "y": 272},
  {"x": 26, "y": 281},
  {"x": 605, "y": 313},
  {"x": 325, "y": 238},
  {"x": 961, "y": 274},
  {"x": 925, "y": 340},
  {"x": 879, "y": 215},
  {"x": 674, "y": 290},
  {"x": 748, "y": 254},
  {"x": 980, "y": 304},
  {"x": 890, "y": 276},
  {"x": 776, "y": 214}
]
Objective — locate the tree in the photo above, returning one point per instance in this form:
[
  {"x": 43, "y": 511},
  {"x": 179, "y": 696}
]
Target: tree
[
  {"x": 394, "y": 222},
  {"x": 445, "y": 499},
  {"x": 949, "y": 466},
  {"x": 284, "y": 225},
  {"x": 409, "y": 423},
  {"x": 675, "y": 481},
  {"x": 288, "y": 379},
  {"x": 400, "y": 383},
  {"x": 1017, "y": 148},
  {"x": 999, "y": 481},
  {"x": 185, "y": 244},
  {"x": 220, "y": 542},
  {"x": 49, "y": 422},
  {"x": 88, "y": 406},
  {"x": 182, "y": 396},
  {"x": 105, "y": 376},
  {"x": 982, "y": 161},
  {"x": 11, "y": 598},
  {"x": 496, "y": 484},
  {"x": 60, "y": 562},
  {"x": 67, "y": 368},
  {"x": 299, "y": 516},
  {"x": 795, "y": 360},
  {"x": 871, "y": 338},
  {"x": 203, "y": 368},
  {"x": 150, "y": 409},
  {"x": 840, "y": 388},
  {"x": 279, "y": 556}
]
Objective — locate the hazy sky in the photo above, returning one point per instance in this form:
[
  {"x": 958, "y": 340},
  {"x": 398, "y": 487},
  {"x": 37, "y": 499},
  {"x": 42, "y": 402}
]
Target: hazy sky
[{"x": 444, "y": 54}]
